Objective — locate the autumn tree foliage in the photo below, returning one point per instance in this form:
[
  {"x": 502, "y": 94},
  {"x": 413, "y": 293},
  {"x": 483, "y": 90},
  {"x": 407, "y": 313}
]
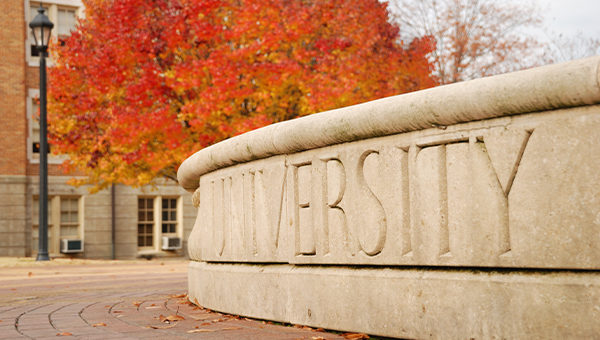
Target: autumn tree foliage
[
  {"x": 474, "y": 38},
  {"x": 142, "y": 84}
]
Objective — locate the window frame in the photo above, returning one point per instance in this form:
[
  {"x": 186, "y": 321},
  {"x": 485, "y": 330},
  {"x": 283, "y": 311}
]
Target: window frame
[
  {"x": 70, "y": 223},
  {"x": 52, "y": 13},
  {"x": 52, "y": 159},
  {"x": 176, "y": 222},
  {"x": 157, "y": 230},
  {"x": 154, "y": 239},
  {"x": 54, "y": 211},
  {"x": 58, "y": 22}
]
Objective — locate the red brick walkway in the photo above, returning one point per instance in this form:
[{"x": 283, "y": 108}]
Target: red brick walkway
[{"x": 112, "y": 300}]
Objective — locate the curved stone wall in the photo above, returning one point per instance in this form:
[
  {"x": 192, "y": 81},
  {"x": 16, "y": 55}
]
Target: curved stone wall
[{"x": 469, "y": 210}]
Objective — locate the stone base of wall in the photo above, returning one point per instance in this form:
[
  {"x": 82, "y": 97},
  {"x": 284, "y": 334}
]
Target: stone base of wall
[
  {"x": 15, "y": 237},
  {"x": 407, "y": 303}
]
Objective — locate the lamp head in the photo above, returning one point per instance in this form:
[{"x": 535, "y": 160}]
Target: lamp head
[{"x": 41, "y": 27}]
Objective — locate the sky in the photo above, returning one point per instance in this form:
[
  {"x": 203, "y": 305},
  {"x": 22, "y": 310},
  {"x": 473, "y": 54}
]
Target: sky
[{"x": 570, "y": 16}]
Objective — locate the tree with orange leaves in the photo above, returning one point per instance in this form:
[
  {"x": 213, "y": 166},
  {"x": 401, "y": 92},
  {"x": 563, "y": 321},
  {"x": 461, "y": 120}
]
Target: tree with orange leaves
[
  {"x": 474, "y": 38},
  {"x": 143, "y": 84}
]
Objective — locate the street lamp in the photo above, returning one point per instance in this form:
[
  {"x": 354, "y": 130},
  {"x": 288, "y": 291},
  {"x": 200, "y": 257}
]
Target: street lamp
[{"x": 41, "y": 27}]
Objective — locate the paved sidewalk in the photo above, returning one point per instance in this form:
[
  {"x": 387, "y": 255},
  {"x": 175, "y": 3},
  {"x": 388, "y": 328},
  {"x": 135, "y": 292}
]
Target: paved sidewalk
[{"x": 118, "y": 300}]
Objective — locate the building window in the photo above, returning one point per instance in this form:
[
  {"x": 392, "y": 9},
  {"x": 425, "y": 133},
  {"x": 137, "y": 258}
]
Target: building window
[
  {"x": 69, "y": 217},
  {"x": 157, "y": 217},
  {"x": 65, "y": 22},
  {"x": 64, "y": 16},
  {"x": 65, "y": 221},
  {"x": 33, "y": 139},
  {"x": 35, "y": 129},
  {"x": 169, "y": 215},
  {"x": 145, "y": 222}
]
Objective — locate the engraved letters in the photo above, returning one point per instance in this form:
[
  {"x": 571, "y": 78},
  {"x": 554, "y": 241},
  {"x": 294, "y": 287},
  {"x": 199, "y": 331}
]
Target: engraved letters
[
  {"x": 247, "y": 211},
  {"x": 437, "y": 202},
  {"x": 336, "y": 187},
  {"x": 303, "y": 212},
  {"x": 371, "y": 238}
]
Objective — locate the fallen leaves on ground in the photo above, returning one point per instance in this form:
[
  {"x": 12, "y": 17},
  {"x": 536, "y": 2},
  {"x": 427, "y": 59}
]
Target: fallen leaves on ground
[
  {"x": 355, "y": 336},
  {"x": 175, "y": 317},
  {"x": 170, "y": 318},
  {"x": 173, "y": 320},
  {"x": 165, "y": 327},
  {"x": 64, "y": 334},
  {"x": 202, "y": 330},
  {"x": 99, "y": 324},
  {"x": 30, "y": 274},
  {"x": 212, "y": 330}
]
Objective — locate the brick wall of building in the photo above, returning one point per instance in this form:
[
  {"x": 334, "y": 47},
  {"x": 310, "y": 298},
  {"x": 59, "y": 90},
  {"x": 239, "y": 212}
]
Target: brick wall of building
[
  {"x": 53, "y": 170},
  {"x": 32, "y": 77},
  {"x": 13, "y": 125}
]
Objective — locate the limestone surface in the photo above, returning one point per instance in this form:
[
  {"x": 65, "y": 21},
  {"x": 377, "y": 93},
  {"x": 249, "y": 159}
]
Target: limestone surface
[
  {"x": 407, "y": 303},
  {"x": 474, "y": 201},
  {"x": 518, "y": 192}
]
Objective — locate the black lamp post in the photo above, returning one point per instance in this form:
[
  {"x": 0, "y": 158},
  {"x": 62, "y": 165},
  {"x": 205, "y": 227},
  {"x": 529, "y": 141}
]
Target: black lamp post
[{"x": 41, "y": 27}]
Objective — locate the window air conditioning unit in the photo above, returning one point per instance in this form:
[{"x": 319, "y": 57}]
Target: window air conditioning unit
[
  {"x": 71, "y": 246},
  {"x": 171, "y": 243}
]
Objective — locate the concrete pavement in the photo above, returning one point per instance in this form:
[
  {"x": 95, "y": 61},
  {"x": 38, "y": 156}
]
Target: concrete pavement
[{"x": 88, "y": 299}]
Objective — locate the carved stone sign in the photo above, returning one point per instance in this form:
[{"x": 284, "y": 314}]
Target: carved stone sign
[
  {"x": 474, "y": 208},
  {"x": 451, "y": 198}
]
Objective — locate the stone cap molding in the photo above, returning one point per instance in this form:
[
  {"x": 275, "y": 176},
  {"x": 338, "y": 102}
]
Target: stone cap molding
[{"x": 557, "y": 86}]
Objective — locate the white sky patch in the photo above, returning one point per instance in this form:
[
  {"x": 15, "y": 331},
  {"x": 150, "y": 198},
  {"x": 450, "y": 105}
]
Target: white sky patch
[{"x": 571, "y": 16}]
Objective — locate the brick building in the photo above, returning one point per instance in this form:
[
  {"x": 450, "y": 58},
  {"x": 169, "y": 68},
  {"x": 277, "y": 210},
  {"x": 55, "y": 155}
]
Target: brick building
[{"x": 141, "y": 217}]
